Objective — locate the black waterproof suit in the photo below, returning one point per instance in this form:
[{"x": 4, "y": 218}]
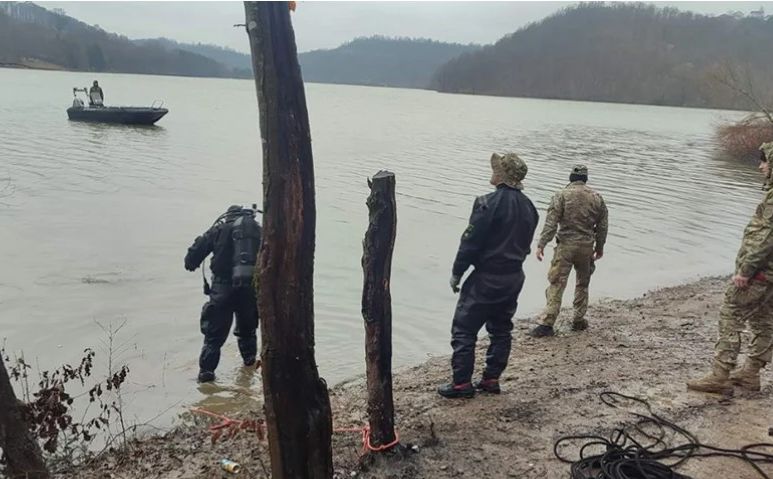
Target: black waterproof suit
[
  {"x": 495, "y": 243},
  {"x": 226, "y": 300}
]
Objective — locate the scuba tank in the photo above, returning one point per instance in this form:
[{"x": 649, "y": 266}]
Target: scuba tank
[
  {"x": 242, "y": 239},
  {"x": 245, "y": 233}
]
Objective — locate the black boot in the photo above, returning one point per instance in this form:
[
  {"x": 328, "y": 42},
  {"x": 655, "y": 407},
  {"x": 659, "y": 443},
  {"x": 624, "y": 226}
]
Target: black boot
[
  {"x": 206, "y": 377},
  {"x": 454, "y": 391},
  {"x": 490, "y": 386},
  {"x": 541, "y": 331}
]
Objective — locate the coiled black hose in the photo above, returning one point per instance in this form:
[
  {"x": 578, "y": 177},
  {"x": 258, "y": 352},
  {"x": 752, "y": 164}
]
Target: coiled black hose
[{"x": 642, "y": 450}]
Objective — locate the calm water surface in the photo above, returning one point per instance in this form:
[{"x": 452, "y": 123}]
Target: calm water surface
[{"x": 96, "y": 219}]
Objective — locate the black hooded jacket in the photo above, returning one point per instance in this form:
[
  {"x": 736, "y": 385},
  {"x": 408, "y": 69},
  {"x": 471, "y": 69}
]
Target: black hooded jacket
[{"x": 500, "y": 233}]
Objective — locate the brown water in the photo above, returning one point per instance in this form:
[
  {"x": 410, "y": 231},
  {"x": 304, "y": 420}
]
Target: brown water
[{"x": 95, "y": 219}]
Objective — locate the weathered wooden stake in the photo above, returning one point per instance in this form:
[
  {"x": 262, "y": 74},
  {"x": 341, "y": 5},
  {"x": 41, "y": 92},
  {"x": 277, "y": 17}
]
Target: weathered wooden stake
[
  {"x": 297, "y": 405},
  {"x": 377, "y": 306},
  {"x": 21, "y": 450}
]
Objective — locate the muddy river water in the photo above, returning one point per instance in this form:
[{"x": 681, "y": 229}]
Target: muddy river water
[{"x": 95, "y": 220}]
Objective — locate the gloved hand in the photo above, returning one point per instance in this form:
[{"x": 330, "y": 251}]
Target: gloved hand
[{"x": 455, "y": 283}]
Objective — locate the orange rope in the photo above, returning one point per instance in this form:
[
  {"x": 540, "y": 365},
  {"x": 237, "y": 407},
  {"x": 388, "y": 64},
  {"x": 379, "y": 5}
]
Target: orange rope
[
  {"x": 226, "y": 422},
  {"x": 366, "y": 445},
  {"x": 232, "y": 424},
  {"x": 210, "y": 413}
]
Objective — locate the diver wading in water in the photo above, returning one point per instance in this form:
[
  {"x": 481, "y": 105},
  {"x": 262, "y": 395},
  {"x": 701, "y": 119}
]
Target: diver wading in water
[{"x": 234, "y": 241}]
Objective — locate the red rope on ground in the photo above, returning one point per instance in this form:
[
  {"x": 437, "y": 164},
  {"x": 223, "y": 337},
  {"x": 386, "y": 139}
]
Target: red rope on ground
[
  {"x": 232, "y": 425},
  {"x": 259, "y": 427},
  {"x": 366, "y": 445}
]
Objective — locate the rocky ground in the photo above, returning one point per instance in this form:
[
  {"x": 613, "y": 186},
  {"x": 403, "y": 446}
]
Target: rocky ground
[{"x": 647, "y": 347}]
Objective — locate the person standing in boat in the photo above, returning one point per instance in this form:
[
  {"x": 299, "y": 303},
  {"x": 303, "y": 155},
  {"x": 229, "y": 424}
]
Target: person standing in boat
[{"x": 96, "y": 96}]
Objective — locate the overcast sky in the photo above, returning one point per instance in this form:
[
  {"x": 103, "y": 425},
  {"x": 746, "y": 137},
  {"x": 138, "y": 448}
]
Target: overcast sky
[{"x": 328, "y": 24}]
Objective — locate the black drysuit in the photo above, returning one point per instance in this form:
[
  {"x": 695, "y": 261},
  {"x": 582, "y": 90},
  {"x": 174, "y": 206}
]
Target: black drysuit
[
  {"x": 495, "y": 243},
  {"x": 225, "y": 299}
]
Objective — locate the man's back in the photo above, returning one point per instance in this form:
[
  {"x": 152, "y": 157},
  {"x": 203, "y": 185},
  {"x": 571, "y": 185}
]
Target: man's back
[
  {"x": 580, "y": 215},
  {"x": 96, "y": 97},
  {"x": 500, "y": 233},
  {"x": 219, "y": 241},
  {"x": 512, "y": 230}
]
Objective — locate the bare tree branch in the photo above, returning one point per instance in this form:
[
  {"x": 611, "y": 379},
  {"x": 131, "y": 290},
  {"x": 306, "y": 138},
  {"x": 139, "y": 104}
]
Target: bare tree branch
[{"x": 729, "y": 78}]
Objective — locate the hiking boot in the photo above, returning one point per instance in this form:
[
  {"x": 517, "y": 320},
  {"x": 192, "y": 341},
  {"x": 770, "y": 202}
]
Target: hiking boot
[
  {"x": 748, "y": 377},
  {"x": 455, "y": 391},
  {"x": 717, "y": 381},
  {"x": 579, "y": 325},
  {"x": 541, "y": 331},
  {"x": 490, "y": 386},
  {"x": 206, "y": 377}
]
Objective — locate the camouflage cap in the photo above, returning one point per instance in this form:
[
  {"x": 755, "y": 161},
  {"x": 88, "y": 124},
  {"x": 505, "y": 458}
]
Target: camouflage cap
[
  {"x": 580, "y": 170},
  {"x": 510, "y": 169},
  {"x": 767, "y": 150}
]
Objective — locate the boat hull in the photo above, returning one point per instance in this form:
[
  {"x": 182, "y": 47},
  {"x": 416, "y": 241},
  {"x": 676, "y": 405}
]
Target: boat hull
[{"x": 114, "y": 114}]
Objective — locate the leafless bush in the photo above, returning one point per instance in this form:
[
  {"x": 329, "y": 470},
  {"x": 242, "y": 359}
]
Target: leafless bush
[
  {"x": 48, "y": 407},
  {"x": 742, "y": 140}
]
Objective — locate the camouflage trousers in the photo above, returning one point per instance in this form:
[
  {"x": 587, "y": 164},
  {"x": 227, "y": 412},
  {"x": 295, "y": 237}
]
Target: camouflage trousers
[
  {"x": 752, "y": 305},
  {"x": 565, "y": 257}
]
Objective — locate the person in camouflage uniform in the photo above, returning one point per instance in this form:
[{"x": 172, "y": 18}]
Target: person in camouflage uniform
[
  {"x": 496, "y": 242},
  {"x": 748, "y": 300},
  {"x": 579, "y": 215}
]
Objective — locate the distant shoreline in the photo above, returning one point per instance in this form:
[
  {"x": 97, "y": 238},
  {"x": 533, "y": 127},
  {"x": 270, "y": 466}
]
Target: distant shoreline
[
  {"x": 57, "y": 68},
  {"x": 27, "y": 64},
  {"x": 18, "y": 66}
]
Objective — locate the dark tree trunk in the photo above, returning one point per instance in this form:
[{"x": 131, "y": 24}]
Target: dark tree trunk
[
  {"x": 377, "y": 306},
  {"x": 297, "y": 404},
  {"x": 25, "y": 460}
]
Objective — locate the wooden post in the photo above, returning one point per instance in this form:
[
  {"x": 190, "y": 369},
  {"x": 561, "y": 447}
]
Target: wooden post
[
  {"x": 21, "y": 450},
  {"x": 377, "y": 306},
  {"x": 297, "y": 405}
]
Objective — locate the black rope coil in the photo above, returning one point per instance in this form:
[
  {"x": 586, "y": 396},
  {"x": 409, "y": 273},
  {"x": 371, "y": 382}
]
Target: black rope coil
[{"x": 643, "y": 450}]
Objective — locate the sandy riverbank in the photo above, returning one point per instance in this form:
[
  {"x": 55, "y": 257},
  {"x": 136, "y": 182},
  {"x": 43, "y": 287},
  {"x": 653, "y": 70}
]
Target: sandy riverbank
[{"x": 645, "y": 347}]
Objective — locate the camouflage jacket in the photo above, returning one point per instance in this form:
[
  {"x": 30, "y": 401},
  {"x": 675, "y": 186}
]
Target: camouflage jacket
[
  {"x": 756, "y": 253},
  {"x": 579, "y": 215}
]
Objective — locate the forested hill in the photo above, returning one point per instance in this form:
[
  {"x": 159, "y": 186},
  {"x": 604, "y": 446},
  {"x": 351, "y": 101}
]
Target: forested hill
[
  {"x": 382, "y": 61},
  {"x": 377, "y": 60},
  {"x": 620, "y": 52},
  {"x": 238, "y": 63},
  {"x": 33, "y": 36}
]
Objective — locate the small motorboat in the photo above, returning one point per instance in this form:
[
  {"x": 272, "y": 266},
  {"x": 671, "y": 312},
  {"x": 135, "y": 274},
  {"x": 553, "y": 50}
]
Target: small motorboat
[{"x": 127, "y": 115}]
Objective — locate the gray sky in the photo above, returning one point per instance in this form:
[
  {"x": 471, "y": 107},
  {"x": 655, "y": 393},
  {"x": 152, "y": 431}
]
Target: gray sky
[{"x": 328, "y": 24}]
